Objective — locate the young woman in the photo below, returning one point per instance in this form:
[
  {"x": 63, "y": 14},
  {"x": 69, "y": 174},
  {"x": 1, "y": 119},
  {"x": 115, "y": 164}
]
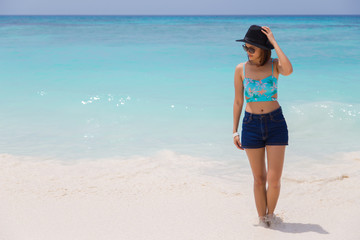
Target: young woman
[{"x": 264, "y": 128}]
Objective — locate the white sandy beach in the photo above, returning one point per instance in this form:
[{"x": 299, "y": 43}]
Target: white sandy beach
[{"x": 171, "y": 196}]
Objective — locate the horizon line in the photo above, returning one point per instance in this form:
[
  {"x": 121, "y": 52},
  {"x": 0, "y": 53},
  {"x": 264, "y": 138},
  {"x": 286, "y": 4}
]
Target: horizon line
[{"x": 179, "y": 15}]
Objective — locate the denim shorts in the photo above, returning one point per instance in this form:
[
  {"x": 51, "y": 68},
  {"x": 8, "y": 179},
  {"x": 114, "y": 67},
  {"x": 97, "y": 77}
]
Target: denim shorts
[{"x": 259, "y": 130}]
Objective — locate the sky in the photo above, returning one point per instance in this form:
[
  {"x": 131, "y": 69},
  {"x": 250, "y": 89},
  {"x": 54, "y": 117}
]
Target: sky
[{"x": 180, "y": 7}]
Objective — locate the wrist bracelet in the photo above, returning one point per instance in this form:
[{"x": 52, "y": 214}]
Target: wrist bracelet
[{"x": 235, "y": 134}]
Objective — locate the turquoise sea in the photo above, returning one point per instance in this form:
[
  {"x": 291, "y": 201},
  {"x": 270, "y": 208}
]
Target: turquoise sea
[{"x": 90, "y": 87}]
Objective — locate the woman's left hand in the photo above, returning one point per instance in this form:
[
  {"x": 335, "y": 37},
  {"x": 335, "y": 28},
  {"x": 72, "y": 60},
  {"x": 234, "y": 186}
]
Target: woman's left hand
[{"x": 269, "y": 34}]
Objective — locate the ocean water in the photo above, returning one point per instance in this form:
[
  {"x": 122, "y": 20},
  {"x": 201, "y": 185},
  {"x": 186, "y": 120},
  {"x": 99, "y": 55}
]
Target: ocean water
[{"x": 91, "y": 87}]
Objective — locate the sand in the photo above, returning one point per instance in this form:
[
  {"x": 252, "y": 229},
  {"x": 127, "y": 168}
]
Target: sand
[{"x": 171, "y": 196}]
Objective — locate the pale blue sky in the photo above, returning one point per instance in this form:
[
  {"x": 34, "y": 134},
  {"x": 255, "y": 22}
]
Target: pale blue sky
[{"x": 183, "y": 7}]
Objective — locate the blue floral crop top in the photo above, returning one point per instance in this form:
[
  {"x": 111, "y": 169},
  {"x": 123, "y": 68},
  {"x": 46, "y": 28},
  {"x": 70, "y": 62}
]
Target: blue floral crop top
[{"x": 261, "y": 90}]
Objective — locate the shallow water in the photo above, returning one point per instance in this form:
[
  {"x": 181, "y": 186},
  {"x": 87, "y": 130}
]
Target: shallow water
[{"x": 89, "y": 87}]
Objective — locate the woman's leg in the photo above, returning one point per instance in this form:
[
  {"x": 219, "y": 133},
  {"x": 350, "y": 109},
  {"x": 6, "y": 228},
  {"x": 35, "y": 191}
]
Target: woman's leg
[
  {"x": 257, "y": 162},
  {"x": 275, "y": 160}
]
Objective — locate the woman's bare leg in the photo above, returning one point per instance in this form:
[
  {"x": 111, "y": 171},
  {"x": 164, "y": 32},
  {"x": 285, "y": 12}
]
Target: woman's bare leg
[
  {"x": 257, "y": 162},
  {"x": 275, "y": 160}
]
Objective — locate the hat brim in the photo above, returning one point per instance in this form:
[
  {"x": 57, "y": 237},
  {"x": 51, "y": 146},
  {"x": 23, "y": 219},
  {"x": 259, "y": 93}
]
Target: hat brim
[{"x": 255, "y": 44}]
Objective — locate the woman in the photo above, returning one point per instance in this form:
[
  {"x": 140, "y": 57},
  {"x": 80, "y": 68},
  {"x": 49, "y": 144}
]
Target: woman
[{"x": 264, "y": 127}]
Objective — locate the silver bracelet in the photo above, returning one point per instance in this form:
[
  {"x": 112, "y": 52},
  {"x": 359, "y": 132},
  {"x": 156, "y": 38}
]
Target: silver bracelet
[{"x": 235, "y": 134}]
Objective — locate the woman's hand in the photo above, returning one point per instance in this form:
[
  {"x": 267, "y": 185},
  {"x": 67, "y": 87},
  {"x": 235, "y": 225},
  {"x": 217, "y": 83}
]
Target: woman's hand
[
  {"x": 283, "y": 66},
  {"x": 237, "y": 142},
  {"x": 269, "y": 34}
]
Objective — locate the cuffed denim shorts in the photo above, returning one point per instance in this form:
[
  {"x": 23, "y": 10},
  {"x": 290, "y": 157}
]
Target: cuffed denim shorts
[{"x": 259, "y": 130}]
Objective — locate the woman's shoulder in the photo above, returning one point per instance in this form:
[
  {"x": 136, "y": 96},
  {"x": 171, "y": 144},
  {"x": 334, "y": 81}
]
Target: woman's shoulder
[
  {"x": 275, "y": 63},
  {"x": 240, "y": 65},
  {"x": 240, "y": 69}
]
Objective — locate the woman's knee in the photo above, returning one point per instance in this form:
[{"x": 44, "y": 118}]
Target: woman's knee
[
  {"x": 259, "y": 180},
  {"x": 274, "y": 181}
]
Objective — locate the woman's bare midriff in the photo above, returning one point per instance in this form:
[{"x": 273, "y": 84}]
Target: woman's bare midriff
[{"x": 261, "y": 107}]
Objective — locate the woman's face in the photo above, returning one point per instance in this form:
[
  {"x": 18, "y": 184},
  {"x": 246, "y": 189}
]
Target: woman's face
[{"x": 256, "y": 54}]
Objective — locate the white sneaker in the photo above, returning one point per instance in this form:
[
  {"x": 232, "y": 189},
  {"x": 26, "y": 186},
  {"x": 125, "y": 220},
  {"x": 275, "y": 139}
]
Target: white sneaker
[
  {"x": 273, "y": 220},
  {"x": 263, "y": 222}
]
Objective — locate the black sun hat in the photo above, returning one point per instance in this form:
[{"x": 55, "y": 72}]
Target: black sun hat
[{"x": 255, "y": 37}]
